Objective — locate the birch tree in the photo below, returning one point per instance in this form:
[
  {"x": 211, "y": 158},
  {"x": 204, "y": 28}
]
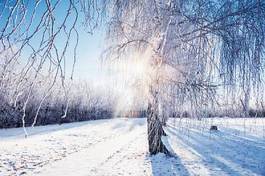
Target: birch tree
[{"x": 206, "y": 43}]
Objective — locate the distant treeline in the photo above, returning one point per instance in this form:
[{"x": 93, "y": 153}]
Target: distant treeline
[
  {"x": 251, "y": 113},
  {"x": 79, "y": 104},
  {"x": 11, "y": 117}
]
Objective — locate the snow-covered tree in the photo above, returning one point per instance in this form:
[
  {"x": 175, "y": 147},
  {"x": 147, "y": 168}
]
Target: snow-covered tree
[{"x": 205, "y": 43}]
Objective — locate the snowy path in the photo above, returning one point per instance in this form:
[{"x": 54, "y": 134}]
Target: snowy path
[
  {"x": 98, "y": 156},
  {"x": 119, "y": 147}
]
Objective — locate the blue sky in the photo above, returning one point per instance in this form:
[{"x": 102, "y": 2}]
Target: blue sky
[{"x": 88, "y": 65}]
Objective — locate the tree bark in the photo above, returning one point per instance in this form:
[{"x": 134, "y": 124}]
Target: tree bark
[{"x": 155, "y": 129}]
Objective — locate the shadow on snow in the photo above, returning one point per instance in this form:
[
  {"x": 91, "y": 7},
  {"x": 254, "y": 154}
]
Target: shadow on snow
[{"x": 224, "y": 151}]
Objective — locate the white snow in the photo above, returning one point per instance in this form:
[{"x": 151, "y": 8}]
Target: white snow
[{"x": 119, "y": 147}]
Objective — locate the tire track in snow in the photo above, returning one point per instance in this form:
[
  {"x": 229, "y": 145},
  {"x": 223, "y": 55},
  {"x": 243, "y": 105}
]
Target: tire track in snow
[
  {"x": 29, "y": 156},
  {"x": 117, "y": 156},
  {"x": 91, "y": 160}
]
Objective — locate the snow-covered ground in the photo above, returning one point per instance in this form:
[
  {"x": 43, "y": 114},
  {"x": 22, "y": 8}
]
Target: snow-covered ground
[{"x": 119, "y": 147}]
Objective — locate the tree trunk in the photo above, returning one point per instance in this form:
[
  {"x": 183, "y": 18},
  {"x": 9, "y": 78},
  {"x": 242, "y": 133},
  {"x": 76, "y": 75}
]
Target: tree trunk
[
  {"x": 164, "y": 115},
  {"x": 155, "y": 129}
]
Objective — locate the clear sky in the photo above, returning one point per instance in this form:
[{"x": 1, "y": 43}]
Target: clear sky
[
  {"x": 90, "y": 47},
  {"x": 88, "y": 65}
]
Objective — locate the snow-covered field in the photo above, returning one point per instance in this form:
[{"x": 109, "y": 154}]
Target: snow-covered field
[{"x": 119, "y": 147}]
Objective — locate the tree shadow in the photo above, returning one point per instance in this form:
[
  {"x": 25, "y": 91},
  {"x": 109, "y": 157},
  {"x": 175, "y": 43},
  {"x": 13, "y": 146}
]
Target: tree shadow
[
  {"x": 163, "y": 165},
  {"x": 223, "y": 150}
]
